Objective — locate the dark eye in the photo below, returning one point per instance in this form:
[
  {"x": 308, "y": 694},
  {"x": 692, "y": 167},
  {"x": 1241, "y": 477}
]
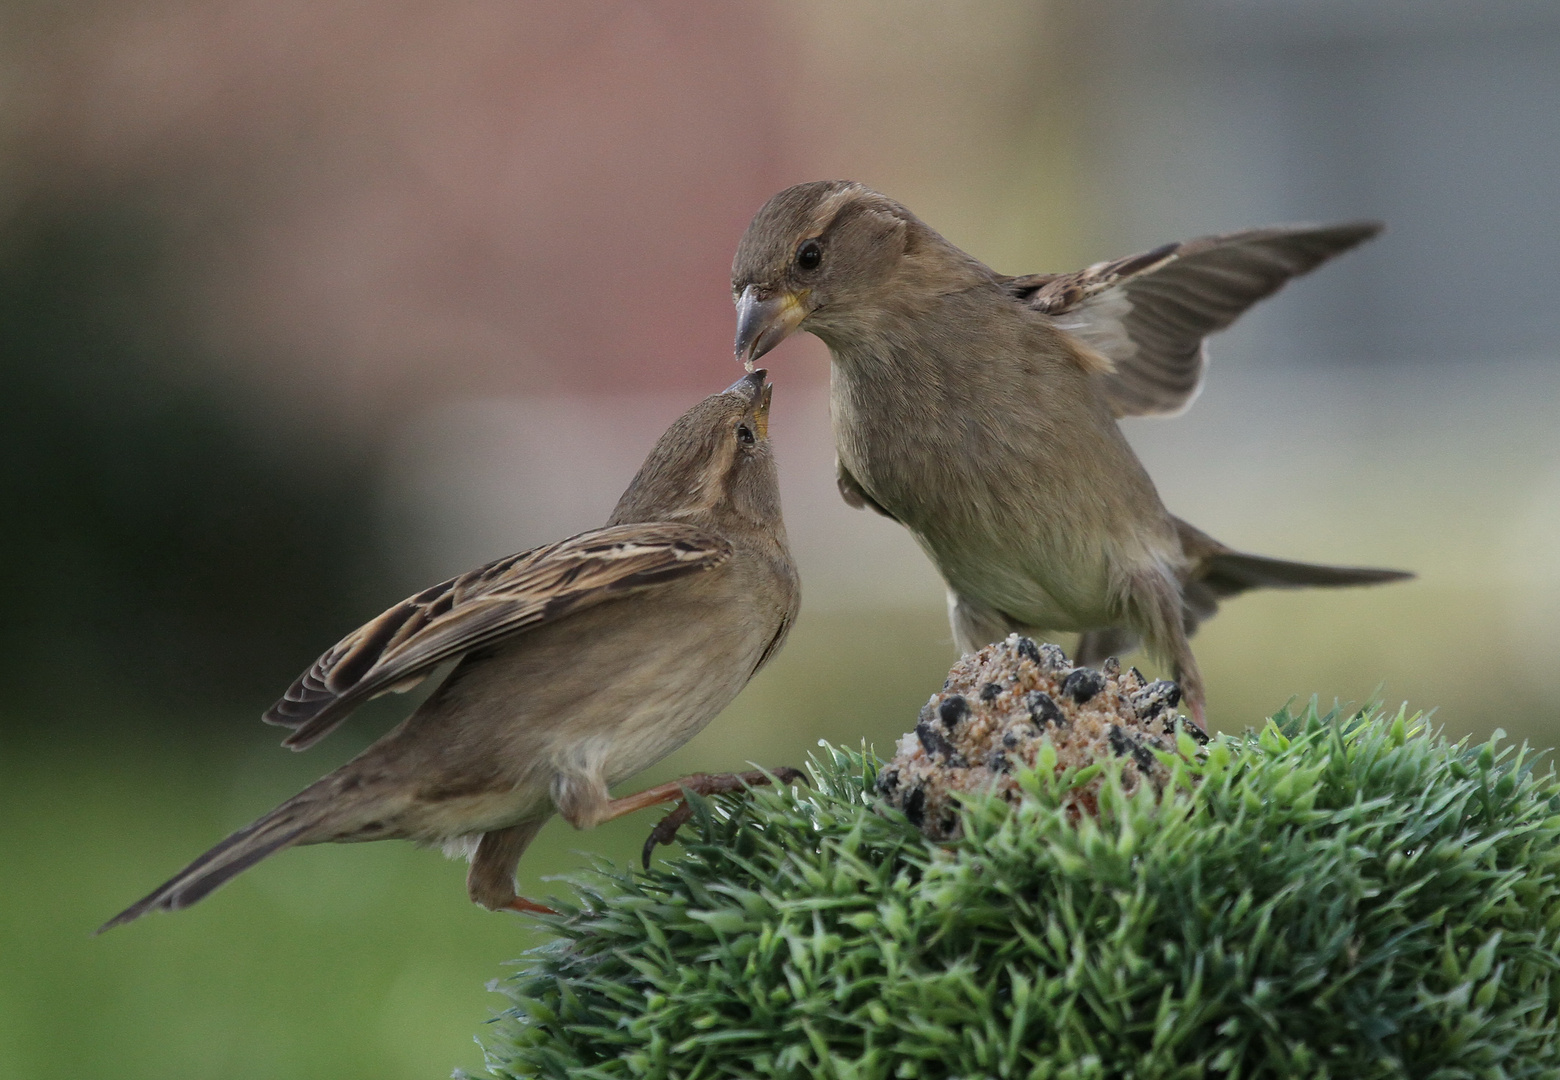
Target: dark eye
[
  {"x": 744, "y": 434},
  {"x": 809, "y": 255}
]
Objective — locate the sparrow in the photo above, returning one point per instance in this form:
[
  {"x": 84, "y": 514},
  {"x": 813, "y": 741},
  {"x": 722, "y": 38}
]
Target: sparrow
[
  {"x": 979, "y": 410},
  {"x": 577, "y": 665}
]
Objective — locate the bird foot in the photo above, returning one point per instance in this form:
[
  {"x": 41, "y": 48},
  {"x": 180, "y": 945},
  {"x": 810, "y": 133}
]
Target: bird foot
[
  {"x": 528, "y": 907},
  {"x": 665, "y": 831},
  {"x": 1198, "y": 717}
]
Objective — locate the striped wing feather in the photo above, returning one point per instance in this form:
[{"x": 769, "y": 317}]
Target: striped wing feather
[
  {"x": 503, "y": 598},
  {"x": 1148, "y": 314}
]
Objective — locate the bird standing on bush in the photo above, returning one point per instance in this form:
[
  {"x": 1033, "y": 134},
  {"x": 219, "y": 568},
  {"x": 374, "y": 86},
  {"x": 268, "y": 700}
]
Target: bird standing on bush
[
  {"x": 579, "y": 664},
  {"x": 979, "y": 410}
]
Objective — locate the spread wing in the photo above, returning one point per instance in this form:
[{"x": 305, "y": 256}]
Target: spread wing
[
  {"x": 1148, "y": 313},
  {"x": 514, "y": 594}
]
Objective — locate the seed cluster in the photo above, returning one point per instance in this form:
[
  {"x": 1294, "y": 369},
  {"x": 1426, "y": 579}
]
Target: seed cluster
[{"x": 1000, "y": 703}]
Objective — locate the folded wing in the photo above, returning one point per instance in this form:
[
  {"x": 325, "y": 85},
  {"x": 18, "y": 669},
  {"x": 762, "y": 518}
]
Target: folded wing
[
  {"x": 1148, "y": 314},
  {"x": 507, "y": 597}
]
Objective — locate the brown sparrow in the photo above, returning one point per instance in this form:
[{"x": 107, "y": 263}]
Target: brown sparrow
[
  {"x": 979, "y": 410},
  {"x": 578, "y": 664}
]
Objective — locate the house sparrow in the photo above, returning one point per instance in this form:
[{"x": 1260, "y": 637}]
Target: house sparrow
[
  {"x": 579, "y": 664},
  {"x": 979, "y": 410}
]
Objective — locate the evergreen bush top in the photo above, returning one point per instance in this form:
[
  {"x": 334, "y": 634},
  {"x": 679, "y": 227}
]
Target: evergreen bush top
[{"x": 1333, "y": 896}]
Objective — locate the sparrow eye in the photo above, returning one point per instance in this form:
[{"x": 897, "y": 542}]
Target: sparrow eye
[
  {"x": 809, "y": 255},
  {"x": 744, "y": 435}
]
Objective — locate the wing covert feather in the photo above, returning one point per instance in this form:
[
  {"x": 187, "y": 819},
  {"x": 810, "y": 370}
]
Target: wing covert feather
[
  {"x": 1149, "y": 313},
  {"x": 503, "y": 598}
]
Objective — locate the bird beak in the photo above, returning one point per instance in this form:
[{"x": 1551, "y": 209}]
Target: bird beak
[
  {"x": 749, "y": 385},
  {"x": 761, "y": 414},
  {"x": 758, "y": 392},
  {"x": 764, "y": 323}
]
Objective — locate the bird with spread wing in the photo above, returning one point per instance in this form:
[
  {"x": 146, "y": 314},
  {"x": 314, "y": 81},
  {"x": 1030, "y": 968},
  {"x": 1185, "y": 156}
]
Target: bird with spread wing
[{"x": 979, "y": 410}]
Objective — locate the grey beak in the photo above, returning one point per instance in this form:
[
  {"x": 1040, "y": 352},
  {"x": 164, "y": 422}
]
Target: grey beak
[
  {"x": 763, "y": 323},
  {"x": 750, "y": 385}
]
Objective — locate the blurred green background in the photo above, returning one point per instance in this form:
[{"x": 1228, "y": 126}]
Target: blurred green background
[{"x": 305, "y": 306}]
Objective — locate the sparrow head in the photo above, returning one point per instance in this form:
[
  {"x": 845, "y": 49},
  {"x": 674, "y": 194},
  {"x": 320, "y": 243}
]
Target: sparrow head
[
  {"x": 812, "y": 254},
  {"x": 712, "y": 465}
]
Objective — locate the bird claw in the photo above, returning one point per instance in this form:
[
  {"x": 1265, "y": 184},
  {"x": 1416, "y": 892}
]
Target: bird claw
[{"x": 665, "y": 831}]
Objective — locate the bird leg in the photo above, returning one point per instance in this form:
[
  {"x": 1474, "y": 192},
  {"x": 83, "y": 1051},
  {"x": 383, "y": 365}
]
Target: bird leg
[
  {"x": 1096, "y": 646},
  {"x": 975, "y": 625},
  {"x": 1157, "y": 603},
  {"x": 529, "y": 907},
  {"x": 1188, "y": 677},
  {"x": 698, "y": 783},
  {"x": 491, "y": 879}
]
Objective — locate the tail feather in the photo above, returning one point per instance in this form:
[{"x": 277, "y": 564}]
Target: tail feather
[
  {"x": 1228, "y": 573},
  {"x": 1213, "y": 573},
  {"x": 282, "y": 827}
]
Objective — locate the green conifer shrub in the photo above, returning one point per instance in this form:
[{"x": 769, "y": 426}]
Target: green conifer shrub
[{"x": 1344, "y": 896}]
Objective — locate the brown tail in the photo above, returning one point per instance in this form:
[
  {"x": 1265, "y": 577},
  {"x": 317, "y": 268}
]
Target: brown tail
[
  {"x": 282, "y": 827},
  {"x": 1228, "y": 573},
  {"x": 1218, "y": 573}
]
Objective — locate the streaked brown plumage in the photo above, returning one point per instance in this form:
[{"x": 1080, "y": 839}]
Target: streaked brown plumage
[
  {"x": 579, "y": 664},
  {"x": 979, "y": 410}
]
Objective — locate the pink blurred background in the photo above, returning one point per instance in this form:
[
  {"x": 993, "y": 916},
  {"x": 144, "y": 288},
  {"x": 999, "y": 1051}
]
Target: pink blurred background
[{"x": 303, "y": 306}]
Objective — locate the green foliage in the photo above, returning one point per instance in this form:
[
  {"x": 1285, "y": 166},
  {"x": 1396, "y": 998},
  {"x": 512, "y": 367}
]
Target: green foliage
[{"x": 1329, "y": 897}]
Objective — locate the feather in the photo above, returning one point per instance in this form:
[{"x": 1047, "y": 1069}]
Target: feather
[
  {"x": 496, "y": 601},
  {"x": 1148, "y": 314}
]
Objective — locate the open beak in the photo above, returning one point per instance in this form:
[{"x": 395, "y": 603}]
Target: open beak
[{"x": 764, "y": 323}]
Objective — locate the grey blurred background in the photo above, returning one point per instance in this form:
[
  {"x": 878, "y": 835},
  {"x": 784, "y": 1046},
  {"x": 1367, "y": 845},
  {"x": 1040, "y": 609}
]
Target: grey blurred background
[{"x": 306, "y": 305}]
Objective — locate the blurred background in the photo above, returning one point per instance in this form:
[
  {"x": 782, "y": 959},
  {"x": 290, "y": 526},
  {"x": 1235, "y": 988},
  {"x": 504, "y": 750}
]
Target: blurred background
[{"x": 305, "y": 305}]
